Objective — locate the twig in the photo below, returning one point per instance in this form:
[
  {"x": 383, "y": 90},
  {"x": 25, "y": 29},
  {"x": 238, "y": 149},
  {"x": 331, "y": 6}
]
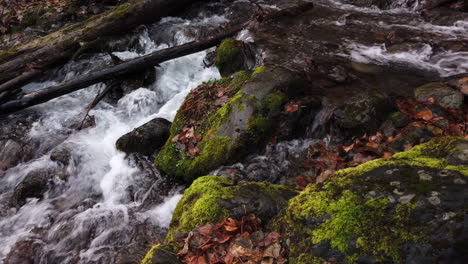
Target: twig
[{"x": 96, "y": 100}]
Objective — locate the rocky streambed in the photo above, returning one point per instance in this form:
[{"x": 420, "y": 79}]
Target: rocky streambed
[{"x": 340, "y": 124}]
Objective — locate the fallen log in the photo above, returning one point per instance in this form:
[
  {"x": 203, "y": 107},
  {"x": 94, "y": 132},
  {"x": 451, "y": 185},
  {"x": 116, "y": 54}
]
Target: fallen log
[
  {"x": 62, "y": 44},
  {"x": 19, "y": 80},
  {"x": 128, "y": 67}
]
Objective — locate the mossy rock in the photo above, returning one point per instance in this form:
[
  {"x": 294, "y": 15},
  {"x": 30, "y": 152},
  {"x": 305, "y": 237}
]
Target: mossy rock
[
  {"x": 240, "y": 125},
  {"x": 442, "y": 93},
  {"x": 211, "y": 199},
  {"x": 230, "y": 57},
  {"x": 406, "y": 209}
]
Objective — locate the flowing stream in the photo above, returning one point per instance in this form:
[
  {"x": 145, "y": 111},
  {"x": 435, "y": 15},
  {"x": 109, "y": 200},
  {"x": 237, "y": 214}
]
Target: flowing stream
[
  {"x": 91, "y": 217},
  {"x": 106, "y": 208}
]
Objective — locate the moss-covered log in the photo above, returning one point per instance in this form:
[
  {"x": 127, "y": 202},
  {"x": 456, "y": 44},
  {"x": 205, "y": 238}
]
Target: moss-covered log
[{"x": 62, "y": 44}]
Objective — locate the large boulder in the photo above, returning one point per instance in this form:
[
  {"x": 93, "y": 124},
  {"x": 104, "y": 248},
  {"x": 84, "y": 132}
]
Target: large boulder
[
  {"x": 410, "y": 208},
  {"x": 145, "y": 139},
  {"x": 442, "y": 93},
  {"x": 223, "y": 120}
]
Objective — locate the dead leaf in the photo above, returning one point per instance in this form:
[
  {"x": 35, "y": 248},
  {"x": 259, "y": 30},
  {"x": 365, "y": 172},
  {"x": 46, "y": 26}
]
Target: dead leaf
[
  {"x": 425, "y": 114},
  {"x": 292, "y": 106}
]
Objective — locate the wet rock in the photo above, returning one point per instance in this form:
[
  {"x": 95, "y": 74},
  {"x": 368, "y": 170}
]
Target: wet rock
[
  {"x": 34, "y": 185},
  {"x": 400, "y": 120},
  {"x": 148, "y": 187},
  {"x": 61, "y": 155},
  {"x": 145, "y": 139},
  {"x": 24, "y": 252},
  {"x": 442, "y": 93},
  {"x": 363, "y": 112},
  {"x": 11, "y": 154},
  {"x": 410, "y": 201}
]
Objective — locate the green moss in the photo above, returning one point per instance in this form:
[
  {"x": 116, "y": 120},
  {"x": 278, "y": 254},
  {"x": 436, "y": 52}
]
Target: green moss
[
  {"x": 431, "y": 154},
  {"x": 89, "y": 47},
  {"x": 170, "y": 248},
  {"x": 5, "y": 55},
  {"x": 273, "y": 101},
  {"x": 122, "y": 11},
  {"x": 229, "y": 57},
  {"x": 199, "y": 205},
  {"x": 368, "y": 222},
  {"x": 258, "y": 70},
  {"x": 149, "y": 255}
]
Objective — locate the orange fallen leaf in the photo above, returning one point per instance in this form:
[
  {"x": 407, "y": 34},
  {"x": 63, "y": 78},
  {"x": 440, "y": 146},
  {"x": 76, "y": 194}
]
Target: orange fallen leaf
[{"x": 425, "y": 114}]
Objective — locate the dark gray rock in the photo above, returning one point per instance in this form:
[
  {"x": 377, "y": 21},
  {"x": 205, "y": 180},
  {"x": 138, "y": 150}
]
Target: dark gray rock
[
  {"x": 400, "y": 120},
  {"x": 363, "y": 112},
  {"x": 145, "y": 139},
  {"x": 61, "y": 154},
  {"x": 34, "y": 185},
  {"x": 11, "y": 153}
]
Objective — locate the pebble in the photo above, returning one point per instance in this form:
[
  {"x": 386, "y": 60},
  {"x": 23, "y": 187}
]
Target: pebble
[
  {"x": 448, "y": 215},
  {"x": 459, "y": 181},
  {"x": 425, "y": 177},
  {"x": 406, "y": 199}
]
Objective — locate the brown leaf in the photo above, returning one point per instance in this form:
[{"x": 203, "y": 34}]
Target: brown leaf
[
  {"x": 206, "y": 230},
  {"x": 231, "y": 224},
  {"x": 193, "y": 151},
  {"x": 372, "y": 145},
  {"x": 386, "y": 155},
  {"x": 425, "y": 114},
  {"x": 175, "y": 139},
  {"x": 292, "y": 106},
  {"x": 185, "y": 249},
  {"x": 273, "y": 251}
]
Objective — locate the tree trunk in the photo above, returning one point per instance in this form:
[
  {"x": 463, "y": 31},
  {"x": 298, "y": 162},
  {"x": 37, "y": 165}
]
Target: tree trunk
[
  {"x": 62, "y": 44},
  {"x": 129, "y": 67}
]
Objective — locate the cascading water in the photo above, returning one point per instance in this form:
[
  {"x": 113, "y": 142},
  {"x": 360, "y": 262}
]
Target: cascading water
[{"x": 91, "y": 216}]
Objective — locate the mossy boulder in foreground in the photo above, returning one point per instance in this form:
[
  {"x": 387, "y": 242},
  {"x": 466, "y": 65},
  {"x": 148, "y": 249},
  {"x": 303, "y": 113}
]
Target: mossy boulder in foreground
[
  {"x": 229, "y": 126},
  {"x": 211, "y": 199},
  {"x": 411, "y": 208}
]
